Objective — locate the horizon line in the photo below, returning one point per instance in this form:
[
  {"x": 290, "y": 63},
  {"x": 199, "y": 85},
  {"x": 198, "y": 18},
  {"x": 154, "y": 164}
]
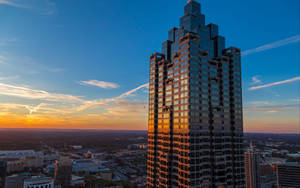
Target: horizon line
[{"x": 58, "y": 129}]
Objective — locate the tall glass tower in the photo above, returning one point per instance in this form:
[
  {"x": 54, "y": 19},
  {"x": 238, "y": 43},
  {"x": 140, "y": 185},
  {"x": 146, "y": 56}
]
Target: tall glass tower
[{"x": 195, "y": 129}]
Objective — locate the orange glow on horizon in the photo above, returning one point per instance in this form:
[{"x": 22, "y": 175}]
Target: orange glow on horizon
[{"x": 99, "y": 122}]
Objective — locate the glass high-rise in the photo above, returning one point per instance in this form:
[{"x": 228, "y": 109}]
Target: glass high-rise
[
  {"x": 252, "y": 161},
  {"x": 195, "y": 128}
]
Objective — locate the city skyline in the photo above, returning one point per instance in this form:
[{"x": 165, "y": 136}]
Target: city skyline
[{"x": 80, "y": 68}]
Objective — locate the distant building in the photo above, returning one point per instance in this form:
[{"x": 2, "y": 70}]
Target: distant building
[
  {"x": 18, "y": 160},
  {"x": 88, "y": 155},
  {"x": 267, "y": 175},
  {"x": 288, "y": 175},
  {"x": 38, "y": 182},
  {"x": 15, "y": 181},
  {"x": 15, "y": 165},
  {"x": 86, "y": 166},
  {"x": 252, "y": 169},
  {"x": 77, "y": 181},
  {"x": 137, "y": 146},
  {"x": 77, "y": 147},
  {"x": 106, "y": 174},
  {"x": 3, "y": 167},
  {"x": 63, "y": 172}
]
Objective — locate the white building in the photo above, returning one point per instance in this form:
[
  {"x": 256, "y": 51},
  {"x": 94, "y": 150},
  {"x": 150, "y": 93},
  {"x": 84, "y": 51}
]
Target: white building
[{"x": 39, "y": 182}]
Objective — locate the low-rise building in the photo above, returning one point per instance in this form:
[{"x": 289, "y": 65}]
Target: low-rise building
[
  {"x": 20, "y": 159},
  {"x": 39, "y": 182}
]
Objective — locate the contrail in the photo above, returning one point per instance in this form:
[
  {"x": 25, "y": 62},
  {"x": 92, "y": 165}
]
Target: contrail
[{"x": 276, "y": 44}]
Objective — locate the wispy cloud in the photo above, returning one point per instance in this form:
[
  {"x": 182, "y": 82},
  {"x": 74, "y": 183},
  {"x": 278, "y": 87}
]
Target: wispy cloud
[
  {"x": 33, "y": 109},
  {"x": 103, "y": 102},
  {"x": 127, "y": 109},
  {"x": 273, "y": 111},
  {"x": 12, "y": 3},
  {"x": 102, "y": 84},
  {"x": 4, "y": 42},
  {"x": 53, "y": 109},
  {"x": 271, "y": 108},
  {"x": 28, "y": 93},
  {"x": 9, "y": 78},
  {"x": 2, "y": 59},
  {"x": 30, "y": 64},
  {"x": 276, "y": 44},
  {"x": 275, "y": 83},
  {"x": 45, "y": 7},
  {"x": 10, "y": 107},
  {"x": 296, "y": 100},
  {"x": 256, "y": 80}
]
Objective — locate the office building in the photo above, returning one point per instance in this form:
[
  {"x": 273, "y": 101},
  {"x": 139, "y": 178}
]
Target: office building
[
  {"x": 3, "y": 167},
  {"x": 63, "y": 172},
  {"x": 195, "y": 127},
  {"x": 288, "y": 175},
  {"x": 252, "y": 176}
]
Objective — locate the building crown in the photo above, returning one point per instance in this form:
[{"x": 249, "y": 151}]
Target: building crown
[{"x": 189, "y": 1}]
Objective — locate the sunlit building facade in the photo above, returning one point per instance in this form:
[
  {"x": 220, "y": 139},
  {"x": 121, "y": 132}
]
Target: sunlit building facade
[
  {"x": 195, "y": 129},
  {"x": 252, "y": 177}
]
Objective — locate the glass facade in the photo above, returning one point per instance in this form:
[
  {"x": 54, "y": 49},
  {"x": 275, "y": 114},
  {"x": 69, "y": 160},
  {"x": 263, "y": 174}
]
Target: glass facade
[{"x": 195, "y": 132}]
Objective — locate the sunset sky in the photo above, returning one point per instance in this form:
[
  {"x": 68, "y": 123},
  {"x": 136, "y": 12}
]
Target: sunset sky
[{"x": 83, "y": 64}]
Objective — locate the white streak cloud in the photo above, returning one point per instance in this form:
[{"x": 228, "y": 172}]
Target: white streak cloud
[
  {"x": 101, "y": 84},
  {"x": 275, "y": 83},
  {"x": 129, "y": 93},
  {"x": 12, "y": 3},
  {"x": 45, "y": 7},
  {"x": 276, "y": 44},
  {"x": 103, "y": 102},
  {"x": 28, "y": 93}
]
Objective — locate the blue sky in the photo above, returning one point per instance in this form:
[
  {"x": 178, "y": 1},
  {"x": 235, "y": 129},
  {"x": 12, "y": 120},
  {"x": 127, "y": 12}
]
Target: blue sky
[{"x": 68, "y": 48}]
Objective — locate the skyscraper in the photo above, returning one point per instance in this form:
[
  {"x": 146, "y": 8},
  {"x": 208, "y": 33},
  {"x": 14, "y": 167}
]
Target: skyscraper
[
  {"x": 63, "y": 172},
  {"x": 195, "y": 128},
  {"x": 252, "y": 169}
]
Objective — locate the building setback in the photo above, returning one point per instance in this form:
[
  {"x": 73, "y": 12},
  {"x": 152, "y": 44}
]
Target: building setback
[{"x": 195, "y": 129}]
